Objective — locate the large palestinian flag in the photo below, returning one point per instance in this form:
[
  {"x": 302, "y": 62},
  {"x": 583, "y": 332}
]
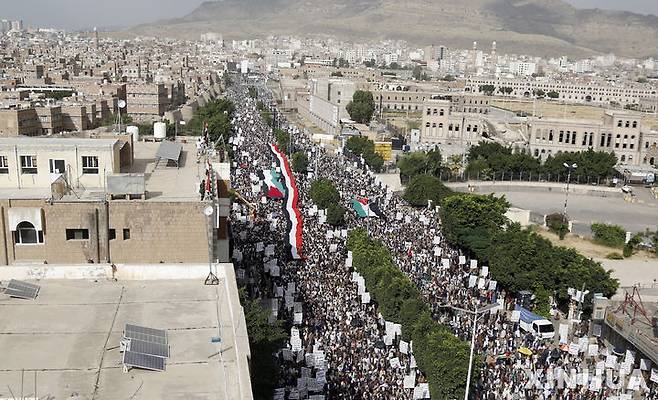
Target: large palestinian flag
[
  {"x": 291, "y": 198},
  {"x": 364, "y": 208},
  {"x": 272, "y": 184}
]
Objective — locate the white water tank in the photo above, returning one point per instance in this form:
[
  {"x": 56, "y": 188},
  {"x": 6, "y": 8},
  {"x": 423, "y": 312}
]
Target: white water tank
[
  {"x": 134, "y": 132},
  {"x": 160, "y": 130}
]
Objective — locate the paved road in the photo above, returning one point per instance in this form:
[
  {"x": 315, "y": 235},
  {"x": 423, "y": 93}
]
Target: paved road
[{"x": 585, "y": 210}]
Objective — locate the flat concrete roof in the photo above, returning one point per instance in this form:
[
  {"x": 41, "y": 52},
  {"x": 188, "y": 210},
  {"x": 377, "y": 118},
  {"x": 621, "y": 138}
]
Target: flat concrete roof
[
  {"x": 70, "y": 335},
  {"x": 57, "y": 142},
  {"x": 166, "y": 182}
]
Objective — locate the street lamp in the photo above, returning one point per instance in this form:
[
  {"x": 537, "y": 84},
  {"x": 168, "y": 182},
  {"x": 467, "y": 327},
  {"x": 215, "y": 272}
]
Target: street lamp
[
  {"x": 570, "y": 168},
  {"x": 477, "y": 313}
]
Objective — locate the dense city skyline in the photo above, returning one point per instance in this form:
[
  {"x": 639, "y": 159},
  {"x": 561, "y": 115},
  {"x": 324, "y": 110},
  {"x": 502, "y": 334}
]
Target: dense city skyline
[{"x": 113, "y": 14}]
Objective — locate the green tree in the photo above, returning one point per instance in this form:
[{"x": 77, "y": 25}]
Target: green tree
[
  {"x": 470, "y": 221},
  {"x": 253, "y": 92},
  {"x": 362, "y": 146},
  {"x": 539, "y": 93},
  {"x": 416, "y": 163},
  {"x": 422, "y": 188},
  {"x": 558, "y": 224},
  {"x": 218, "y": 116},
  {"x": 324, "y": 193},
  {"x": 553, "y": 94},
  {"x": 441, "y": 356},
  {"x": 299, "y": 162},
  {"x": 362, "y": 107},
  {"x": 265, "y": 340},
  {"x": 487, "y": 89},
  {"x": 337, "y": 74},
  {"x": 609, "y": 235},
  {"x": 282, "y": 139},
  {"x": 336, "y": 214},
  {"x": 520, "y": 259},
  {"x": 417, "y": 73}
]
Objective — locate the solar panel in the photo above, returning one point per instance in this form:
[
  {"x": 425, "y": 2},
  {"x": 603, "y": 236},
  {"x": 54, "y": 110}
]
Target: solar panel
[
  {"x": 143, "y": 361},
  {"x": 22, "y": 290},
  {"x": 144, "y": 334},
  {"x": 153, "y": 349}
]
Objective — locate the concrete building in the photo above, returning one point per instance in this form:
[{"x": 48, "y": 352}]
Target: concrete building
[
  {"x": 623, "y": 94},
  {"x": 618, "y": 132},
  {"x": 441, "y": 125},
  {"x": 147, "y": 101},
  {"x": 107, "y": 201},
  {"x": 19, "y": 121}
]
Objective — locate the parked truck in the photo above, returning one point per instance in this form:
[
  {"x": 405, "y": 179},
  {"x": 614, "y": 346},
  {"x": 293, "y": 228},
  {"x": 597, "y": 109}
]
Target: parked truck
[{"x": 535, "y": 324}]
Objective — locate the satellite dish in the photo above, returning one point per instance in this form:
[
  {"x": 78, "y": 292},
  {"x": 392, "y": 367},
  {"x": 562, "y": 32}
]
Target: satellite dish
[
  {"x": 209, "y": 211},
  {"x": 122, "y": 104}
]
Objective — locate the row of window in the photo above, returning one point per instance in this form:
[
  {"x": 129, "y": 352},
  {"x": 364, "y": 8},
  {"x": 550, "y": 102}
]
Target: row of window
[
  {"x": 621, "y": 124},
  {"x": 451, "y": 127},
  {"x": 29, "y": 165},
  {"x": 569, "y": 137},
  {"x": 26, "y": 233}
]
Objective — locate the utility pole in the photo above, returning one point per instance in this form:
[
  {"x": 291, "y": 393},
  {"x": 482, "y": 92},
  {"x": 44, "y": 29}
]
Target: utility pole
[{"x": 570, "y": 167}]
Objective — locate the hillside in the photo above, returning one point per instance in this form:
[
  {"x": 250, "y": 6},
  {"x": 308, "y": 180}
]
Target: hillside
[{"x": 541, "y": 27}]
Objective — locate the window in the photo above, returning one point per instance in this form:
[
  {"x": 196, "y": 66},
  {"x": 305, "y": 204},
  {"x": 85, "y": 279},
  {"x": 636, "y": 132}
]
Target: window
[
  {"x": 619, "y": 123},
  {"x": 112, "y": 234},
  {"x": 29, "y": 165},
  {"x": 126, "y": 234},
  {"x": 4, "y": 165},
  {"x": 634, "y": 124},
  {"x": 89, "y": 165},
  {"x": 57, "y": 166},
  {"x": 561, "y": 136},
  {"x": 77, "y": 234},
  {"x": 26, "y": 233}
]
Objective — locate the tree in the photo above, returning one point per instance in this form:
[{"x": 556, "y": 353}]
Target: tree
[
  {"x": 558, "y": 224},
  {"x": 362, "y": 107},
  {"x": 370, "y": 63},
  {"x": 253, "y": 92},
  {"x": 282, "y": 139},
  {"x": 416, "y": 163},
  {"x": 417, "y": 72},
  {"x": 609, "y": 235},
  {"x": 336, "y": 214},
  {"x": 218, "y": 116},
  {"x": 471, "y": 221},
  {"x": 422, "y": 188},
  {"x": 553, "y": 94},
  {"x": 487, "y": 89},
  {"x": 394, "y": 65},
  {"x": 359, "y": 145},
  {"x": 300, "y": 162},
  {"x": 337, "y": 74},
  {"x": 441, "y": 356},
  {"x": 506, "y": 90},
  {"x": 539, "y": 93},
  {"x": 324, "y": 193},
  {"x": 520, "y": 260},
  {"x": 265, "y": 340}
]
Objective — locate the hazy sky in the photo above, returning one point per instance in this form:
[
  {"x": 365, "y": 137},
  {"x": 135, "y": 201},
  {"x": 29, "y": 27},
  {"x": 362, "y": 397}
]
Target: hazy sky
[{"x": 72, "y": 14}]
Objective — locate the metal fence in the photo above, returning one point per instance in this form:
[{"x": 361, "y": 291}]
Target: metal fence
[{"x": 448, "y": 176}]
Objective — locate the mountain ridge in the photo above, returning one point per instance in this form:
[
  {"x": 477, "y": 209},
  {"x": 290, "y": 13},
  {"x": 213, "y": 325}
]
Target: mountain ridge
[{"x": 538, "y": 27}]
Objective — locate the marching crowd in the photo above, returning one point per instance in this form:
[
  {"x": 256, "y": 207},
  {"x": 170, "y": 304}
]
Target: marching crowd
[{"x": 337, "y": 347}]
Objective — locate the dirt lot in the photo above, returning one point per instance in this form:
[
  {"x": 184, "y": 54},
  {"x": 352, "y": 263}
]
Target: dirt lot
[{"x": 590, "y": 249}]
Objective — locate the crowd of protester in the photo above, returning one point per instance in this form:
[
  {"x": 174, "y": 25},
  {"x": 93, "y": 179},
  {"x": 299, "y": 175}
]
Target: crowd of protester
[{"x": 337, "y": 347}]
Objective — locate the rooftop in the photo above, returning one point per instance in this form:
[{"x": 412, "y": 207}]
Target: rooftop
[
  {"x": 169, "y": 183},
  {"x": 70, "y": 335}
]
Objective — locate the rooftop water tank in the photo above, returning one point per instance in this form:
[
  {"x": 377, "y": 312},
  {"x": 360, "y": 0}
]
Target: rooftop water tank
[
  {"x": 160, "y": 130},
  {"x": 134, "y": 132}
]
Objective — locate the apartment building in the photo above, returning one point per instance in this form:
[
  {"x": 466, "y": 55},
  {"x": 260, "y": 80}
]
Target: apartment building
[
  {"x": 147, "y": 101},
  {"x": 19, "y": 121},
  {"x": 623, "y": 94},
  {"x": 109, "y": 200},
  {"x": 618, "y": 132},
  {"x": 400, "y": 97}
]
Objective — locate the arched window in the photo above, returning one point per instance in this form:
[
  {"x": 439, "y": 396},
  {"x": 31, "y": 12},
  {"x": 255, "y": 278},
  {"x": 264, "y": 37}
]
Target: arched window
[
  {"x": 623, "y": 158},
  {"x": 26, "y": 233}
]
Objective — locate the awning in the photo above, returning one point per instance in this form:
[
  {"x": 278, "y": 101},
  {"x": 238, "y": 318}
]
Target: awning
[
  {"x": 25, "y": 214},
  {"x": 169, "y": 151}
]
